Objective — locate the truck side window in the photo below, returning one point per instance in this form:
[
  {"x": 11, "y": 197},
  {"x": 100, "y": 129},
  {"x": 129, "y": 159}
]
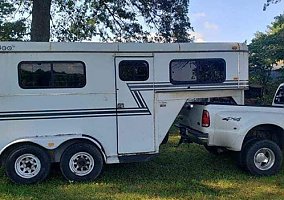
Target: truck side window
[
  {"x": 196, "y": 71},
  {"x": 133, "y": 70},
  {"x": 279, "y": 98},
  {"x": 51, "y": 74}
]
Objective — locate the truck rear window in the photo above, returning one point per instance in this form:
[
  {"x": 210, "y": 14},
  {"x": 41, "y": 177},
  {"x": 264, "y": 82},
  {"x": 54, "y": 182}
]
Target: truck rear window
[
  {"x": 197, "y": 71},
  {"x": 51, "y": 74},
  {"x": 279, "y": 97}
]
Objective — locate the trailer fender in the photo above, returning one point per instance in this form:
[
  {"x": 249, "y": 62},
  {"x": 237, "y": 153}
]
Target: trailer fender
[{"x": 51, "y": 142}]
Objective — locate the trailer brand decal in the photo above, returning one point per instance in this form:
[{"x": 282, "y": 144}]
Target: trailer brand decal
[
  {"x": 232, "y": 118},
  {"x": 6, "y": 48}
]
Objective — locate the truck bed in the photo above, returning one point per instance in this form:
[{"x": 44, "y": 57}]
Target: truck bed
[{"x": 229, "y": 124}]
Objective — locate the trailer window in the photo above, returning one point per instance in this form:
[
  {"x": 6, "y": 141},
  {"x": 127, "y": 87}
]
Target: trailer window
[
  {"x": 133, "y": 70},
  {"x": 196, "y": 71},
  {"x": 52, "y": 74}
]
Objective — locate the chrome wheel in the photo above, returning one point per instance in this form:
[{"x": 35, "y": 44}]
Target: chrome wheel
[
  {"x": 81, "y": 163},
  {"x": 264, "y": 158},
  {"x": 27, "y": 166}
]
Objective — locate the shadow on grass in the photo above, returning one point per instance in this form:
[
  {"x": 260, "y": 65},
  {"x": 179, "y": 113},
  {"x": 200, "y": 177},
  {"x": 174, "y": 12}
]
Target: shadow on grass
[{"x": 186, "y": 172}]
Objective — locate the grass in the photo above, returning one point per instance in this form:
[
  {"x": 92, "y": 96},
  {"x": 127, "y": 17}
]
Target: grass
[{"x": 186, "y": 172}]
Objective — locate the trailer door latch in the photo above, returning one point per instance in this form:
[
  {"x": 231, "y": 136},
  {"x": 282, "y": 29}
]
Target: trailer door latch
[{"x": 120, "y": 105}]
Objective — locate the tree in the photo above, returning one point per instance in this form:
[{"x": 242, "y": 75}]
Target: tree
[
  {"x": 268, "y": 2},
  {"x": 12, "y": 30},
  {"x": 40, "y": 27},
  {"x": 110, "y": 20},
  {"x": 267, "y": 51}
]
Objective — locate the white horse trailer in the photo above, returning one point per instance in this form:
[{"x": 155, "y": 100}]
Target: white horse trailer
[{"x": 89, "y": 104}]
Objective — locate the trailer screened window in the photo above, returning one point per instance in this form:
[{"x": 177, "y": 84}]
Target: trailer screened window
[
  {"x": 197, "y": 71},
  {"x": 53, "y": 74},
  {"x": 133, "y": 70}
]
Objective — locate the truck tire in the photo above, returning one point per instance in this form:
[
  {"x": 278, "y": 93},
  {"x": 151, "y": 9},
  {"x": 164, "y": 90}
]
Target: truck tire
[
  {"x": 81, "y": 162},
  {"x": 241, "y": 157},
  {"x": 263, "y": 158},
  {"x": 27, "y": 164}
]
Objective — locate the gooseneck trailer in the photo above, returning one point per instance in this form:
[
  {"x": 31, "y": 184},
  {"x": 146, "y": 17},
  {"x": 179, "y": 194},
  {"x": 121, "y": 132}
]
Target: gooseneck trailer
[{"x": 89, "y": 104}]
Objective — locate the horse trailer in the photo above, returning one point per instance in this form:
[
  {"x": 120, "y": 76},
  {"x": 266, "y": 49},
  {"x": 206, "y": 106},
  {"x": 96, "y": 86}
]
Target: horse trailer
[{"x": 89, "y": 104}]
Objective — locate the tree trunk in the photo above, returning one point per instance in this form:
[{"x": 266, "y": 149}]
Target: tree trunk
[{"x": 40, "y": 30}]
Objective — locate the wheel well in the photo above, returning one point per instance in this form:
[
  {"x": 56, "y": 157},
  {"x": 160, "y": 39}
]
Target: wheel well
[
  {"x": 267, "y": 131},
  {"x": 56, "y": 153},
  {"x": 7, "y": 151}
]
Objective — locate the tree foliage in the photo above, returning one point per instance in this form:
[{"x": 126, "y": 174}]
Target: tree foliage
[
  {"x": 114, "y": 20},
  {"x": 268, "y": 2},
  {"x": 266, "y": 52},
  {"x": 10, "y": 30}
]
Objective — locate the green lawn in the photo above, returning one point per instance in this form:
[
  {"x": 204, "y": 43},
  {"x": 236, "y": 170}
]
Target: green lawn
[{"x": 186, "y": 172}]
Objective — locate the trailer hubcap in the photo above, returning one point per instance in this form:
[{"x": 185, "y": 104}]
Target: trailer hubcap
[
  {"x": 27, "y": 166},
  {"x": 81, "y": 163},
  {"x": 264, "y": 159}
]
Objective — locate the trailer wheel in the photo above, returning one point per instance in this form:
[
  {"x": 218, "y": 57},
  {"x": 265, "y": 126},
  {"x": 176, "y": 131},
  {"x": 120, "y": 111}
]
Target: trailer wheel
[
  {"x": 263, "y": 158},
  {"x": 27, "y": 164},
  {"x": 81, "y": 162}
]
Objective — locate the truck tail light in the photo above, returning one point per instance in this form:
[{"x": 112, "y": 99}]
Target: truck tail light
[{"x": 205, "y": 118}]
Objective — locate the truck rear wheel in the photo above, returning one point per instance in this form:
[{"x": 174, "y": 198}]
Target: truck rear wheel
[
  {"x": 263, "y": 157},
  {"x": 81, "y": 162},
  {"x": 241, "y": 156},
  {"x": 27, "y": 164}
]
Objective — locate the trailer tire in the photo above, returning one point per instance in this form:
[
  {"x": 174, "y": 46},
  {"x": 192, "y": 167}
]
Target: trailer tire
[
  {"x": 81, "y": 162},
  {"x": 263, "y": 158},
  {"x": 27, "y": 164}
]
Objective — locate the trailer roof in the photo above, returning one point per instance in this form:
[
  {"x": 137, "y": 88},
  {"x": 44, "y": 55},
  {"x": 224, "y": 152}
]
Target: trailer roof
[{"x": 118, "y": 47}]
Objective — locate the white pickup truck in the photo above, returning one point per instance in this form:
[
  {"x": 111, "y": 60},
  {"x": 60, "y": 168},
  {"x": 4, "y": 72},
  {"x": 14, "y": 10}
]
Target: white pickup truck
[{"x": 256, "y": 133}]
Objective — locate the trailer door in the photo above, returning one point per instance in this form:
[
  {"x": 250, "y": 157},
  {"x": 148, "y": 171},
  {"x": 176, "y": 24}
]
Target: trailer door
[{"x": 135, "y": 99}]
